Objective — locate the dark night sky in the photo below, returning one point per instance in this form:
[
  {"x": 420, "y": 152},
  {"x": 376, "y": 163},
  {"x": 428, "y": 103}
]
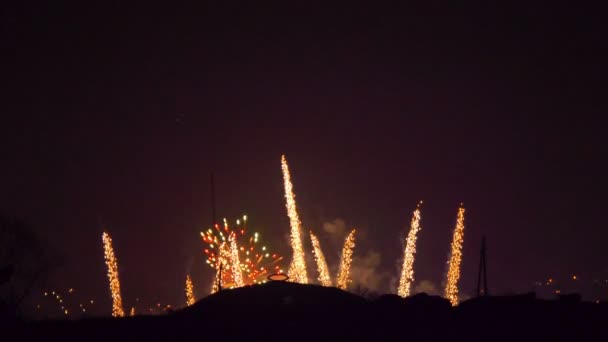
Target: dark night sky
[{"x": 115, "y": 116}]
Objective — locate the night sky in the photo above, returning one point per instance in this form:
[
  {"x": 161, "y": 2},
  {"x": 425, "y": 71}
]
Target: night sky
[{"x": 114, "y": 117}]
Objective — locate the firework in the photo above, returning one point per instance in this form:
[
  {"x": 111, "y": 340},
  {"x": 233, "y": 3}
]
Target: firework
[
  {"x": 237, "y": 273},
  {"x": 112, "y": 263},
  {"x": 132, "y": 312},
  {"x": 189, "y": 291},
  {"x": 256, "y": 260},
  {"x": 324, "y": 278},
  {"x": 297, "y": 270},
  {"x": 407, "y": 271},
  {"x": 220, "y": 268},
  {"x": 451, "y": 287},
  {"x": 345, "y": 261}
]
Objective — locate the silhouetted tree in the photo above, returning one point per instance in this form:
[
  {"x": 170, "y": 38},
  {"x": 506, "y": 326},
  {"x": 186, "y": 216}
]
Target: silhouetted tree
[{"x": 25, "y": 262}]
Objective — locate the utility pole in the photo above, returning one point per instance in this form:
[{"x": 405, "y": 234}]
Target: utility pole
[
  {"x": 482, "y": 271},
  {"x": 213, "y": 223}
]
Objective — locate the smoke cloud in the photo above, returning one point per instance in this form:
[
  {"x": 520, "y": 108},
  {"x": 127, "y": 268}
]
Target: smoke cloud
[
  {"x": 365, "y": 275},
  {"x": 427, "y": 287},
  {"x": 337, "y": 228}
]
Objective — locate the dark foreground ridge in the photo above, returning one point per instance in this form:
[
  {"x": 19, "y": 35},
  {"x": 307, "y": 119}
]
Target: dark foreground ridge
[{"x": 288, "y": 311}]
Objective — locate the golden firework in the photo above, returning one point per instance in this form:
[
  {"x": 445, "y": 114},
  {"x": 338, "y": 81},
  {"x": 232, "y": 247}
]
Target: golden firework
[
  {"x": 451, "y": 287},
  {"x": 324, "y": 277},
  {"x": 112, "y": 264},
  {"x": 189, "y": 291},
  {"x": 407, "y": 271},
  {"x": 297, "y": 269},
  {"x": 345, "y": 261}
]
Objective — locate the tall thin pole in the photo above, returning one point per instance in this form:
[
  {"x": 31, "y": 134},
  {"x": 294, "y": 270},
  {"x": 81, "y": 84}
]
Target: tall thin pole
[
  {"x": 213, "y": 217},
  {"x": 213, "y": 223},
  {"x": 482, "y": 272}
]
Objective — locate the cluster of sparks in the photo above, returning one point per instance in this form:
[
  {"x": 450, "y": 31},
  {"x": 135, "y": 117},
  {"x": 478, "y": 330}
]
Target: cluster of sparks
[
  {"x": 345, "y": 261},
  {"x": 237, "y": 256},
  {"x": 189, "y": 291},
  {"x": 297, "y": 269},
  {"x": 451, "y": 287},
  {"x": 324, "y": 277},
  {"x": 407, "y": 271},
  {"x": 235, "y": 261},
  {"x": 112, "y": 264}
]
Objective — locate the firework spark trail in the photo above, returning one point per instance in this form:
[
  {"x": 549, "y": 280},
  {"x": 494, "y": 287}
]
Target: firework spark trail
[
  {"x": 345, "y": 261},
  {"x": 220, "y": 267},
  {"x": 236, "y": 262},
  {"x": 255, "y": 258},
  {"x": 407, "y": 271},
  {"x": 451, "y": 287},
  {"x": 189, "y": 291},
  {"x": 324, "y": 277},
  {"x": 112, "y": 263},
  {"x": 132, "y": 313},
  {"x": 298, "y": 267}
]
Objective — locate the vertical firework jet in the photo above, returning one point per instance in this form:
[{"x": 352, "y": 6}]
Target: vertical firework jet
[
  {"x": 451, "y": 287},
  {"x": 132, "y": 313},
  {"x": 407, "y": 271},
  {"x": 236, "y": 262},
  {"x": 297, "y": 269},
  {"x": 346, "y": 260},
  {"x": 223, "y": 256},
  {"x": 189, "y": 291},
  {"x": 324, "y": 278},
  {"x": 112, "y": 263}
]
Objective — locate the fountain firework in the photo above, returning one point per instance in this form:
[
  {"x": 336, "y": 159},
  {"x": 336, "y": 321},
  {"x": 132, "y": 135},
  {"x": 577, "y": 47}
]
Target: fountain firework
[
  {"x": 112, "y": 264},
  {"x": 407, "y": 271},
  {"x": 237, "y": 273},
  {"x": 451, "y": 287},
  {"x": 189, "y": 291},
  {"x": 345, "y": 261},
  {"x": 297, "y": 269},
  {"x": 324, "y": 277}
]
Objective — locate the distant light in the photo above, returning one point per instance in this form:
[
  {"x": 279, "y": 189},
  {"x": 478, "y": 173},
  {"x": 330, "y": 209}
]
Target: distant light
[{"x": 574, "y": 277}]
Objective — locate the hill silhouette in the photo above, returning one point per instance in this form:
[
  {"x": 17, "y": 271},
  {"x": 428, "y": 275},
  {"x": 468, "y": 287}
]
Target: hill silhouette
[{"x": 289, "y": 311}]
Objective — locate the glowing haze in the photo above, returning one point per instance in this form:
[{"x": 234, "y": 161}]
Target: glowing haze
[
  {"x": 324, "y": 277},
  {"x": 407, "y": 271},
  {"x": 297, "y": 269},
  {"x": 451, "y": 287},
  {"x": 346, "y": 261},
  {"x": 112, "y": 264}
]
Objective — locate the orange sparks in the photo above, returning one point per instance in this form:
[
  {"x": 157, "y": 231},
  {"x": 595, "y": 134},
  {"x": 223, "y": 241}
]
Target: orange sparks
[
  {"x": 297, "y": 269},
  {"x": 112, "y": 264},
  {"x": 451, "y": 287},
  {"x": 345, "y": 261}
]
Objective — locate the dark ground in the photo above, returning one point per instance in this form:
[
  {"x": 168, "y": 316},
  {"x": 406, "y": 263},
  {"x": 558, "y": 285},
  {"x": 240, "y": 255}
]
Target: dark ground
[{"x": 287, "y": 311}]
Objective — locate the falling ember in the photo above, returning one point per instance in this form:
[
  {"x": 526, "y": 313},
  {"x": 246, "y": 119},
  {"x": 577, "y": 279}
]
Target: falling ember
[
  {"x": 324, "y": 278},
  {"x": 112, "y": 263},
  {"x": 236, "y": 262},
  {"x": 189, "y": 291},
  {"x": 407, "y": 271},
  {"x": 346, "y": 260},
  {"x": 298, "y": 267},
  {"x": 451, "y": 287}
]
